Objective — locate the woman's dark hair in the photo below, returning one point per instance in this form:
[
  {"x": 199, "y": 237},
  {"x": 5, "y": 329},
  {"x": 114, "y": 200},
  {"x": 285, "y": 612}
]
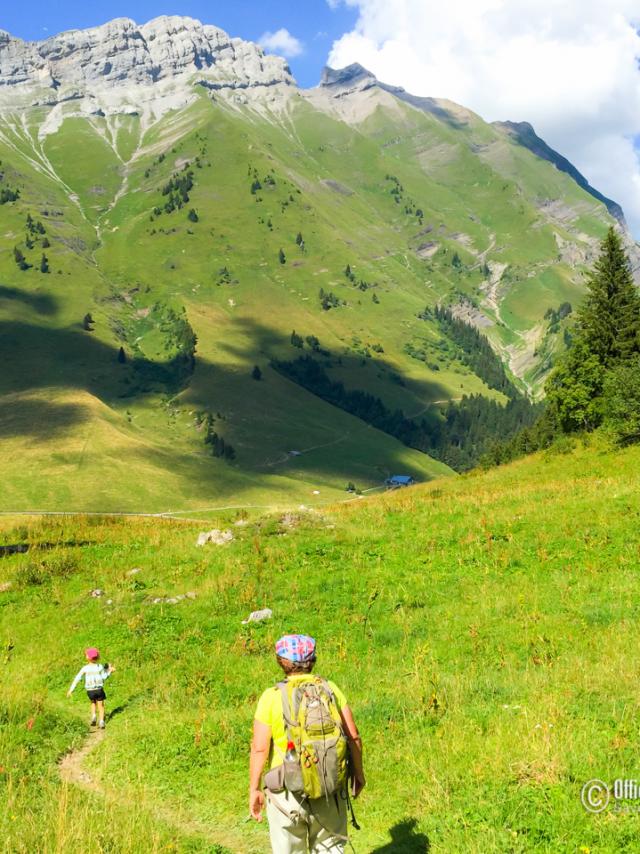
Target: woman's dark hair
[{"x": 291, "y": 667}]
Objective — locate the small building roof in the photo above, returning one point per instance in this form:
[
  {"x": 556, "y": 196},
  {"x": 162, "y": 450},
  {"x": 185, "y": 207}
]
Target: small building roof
[{"x": 400, "y": 478}]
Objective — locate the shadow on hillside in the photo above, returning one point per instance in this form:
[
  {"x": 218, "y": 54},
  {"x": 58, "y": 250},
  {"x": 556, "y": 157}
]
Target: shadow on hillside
[
  {"x": 40, "y": 419},
  {"x": 374, "y": 374},
  {"x": 42, "y": 303},
  {"x": 405, "y": 840},
  {"x": 72, "y": 359}
]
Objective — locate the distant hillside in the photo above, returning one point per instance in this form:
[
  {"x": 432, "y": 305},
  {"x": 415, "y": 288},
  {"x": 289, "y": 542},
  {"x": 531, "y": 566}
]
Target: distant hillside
[{"x": 176, "y": 216}]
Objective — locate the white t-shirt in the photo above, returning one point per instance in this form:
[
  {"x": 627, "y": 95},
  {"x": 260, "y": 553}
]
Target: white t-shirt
[{"x": 94, "y": 674}]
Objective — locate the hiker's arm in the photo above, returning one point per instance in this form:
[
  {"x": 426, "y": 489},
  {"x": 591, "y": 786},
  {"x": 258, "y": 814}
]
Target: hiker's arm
[
  {"x": 75, "y": 682},
  {"x": 355, "y": 750},
  {"x": 259, "y": 751}
]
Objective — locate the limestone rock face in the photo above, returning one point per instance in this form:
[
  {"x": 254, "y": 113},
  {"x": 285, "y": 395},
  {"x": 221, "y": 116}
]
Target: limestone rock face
[{"x": 121, "y": 55}]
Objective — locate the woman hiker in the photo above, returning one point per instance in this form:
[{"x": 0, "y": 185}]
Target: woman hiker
[{"x": 305, "y": 735}]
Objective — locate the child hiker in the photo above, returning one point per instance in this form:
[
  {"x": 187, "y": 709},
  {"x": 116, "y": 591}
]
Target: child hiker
[{"x": 95, "y": 675}]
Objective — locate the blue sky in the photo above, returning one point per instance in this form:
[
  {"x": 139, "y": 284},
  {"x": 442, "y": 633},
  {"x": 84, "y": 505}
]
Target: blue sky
[{"x": 310, "y": 21}]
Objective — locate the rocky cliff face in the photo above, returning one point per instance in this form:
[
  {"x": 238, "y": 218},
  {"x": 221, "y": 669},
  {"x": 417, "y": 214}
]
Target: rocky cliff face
[{"x": 122, "y": 55}]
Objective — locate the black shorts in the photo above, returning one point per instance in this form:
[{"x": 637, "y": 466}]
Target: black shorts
[{"x": 96, "y": 694}]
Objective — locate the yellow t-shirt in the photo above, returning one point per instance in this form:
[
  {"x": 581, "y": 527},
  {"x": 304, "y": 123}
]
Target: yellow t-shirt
[{"x": 269, "y": 712}]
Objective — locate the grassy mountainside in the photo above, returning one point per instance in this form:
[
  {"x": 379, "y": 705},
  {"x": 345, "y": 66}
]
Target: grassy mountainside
[
  {"x": 424, "y": 207},
  {"x": 482, "y": 629}
]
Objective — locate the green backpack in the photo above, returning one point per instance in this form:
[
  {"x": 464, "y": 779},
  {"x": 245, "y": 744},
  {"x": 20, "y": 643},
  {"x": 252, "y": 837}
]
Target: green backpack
[{"x": 313, "y": 724}]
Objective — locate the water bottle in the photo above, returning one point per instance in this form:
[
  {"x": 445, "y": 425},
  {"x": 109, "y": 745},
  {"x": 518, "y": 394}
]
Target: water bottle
[
  {"x": 292, "y": 770},
  {"x": 291, "y": 755}
]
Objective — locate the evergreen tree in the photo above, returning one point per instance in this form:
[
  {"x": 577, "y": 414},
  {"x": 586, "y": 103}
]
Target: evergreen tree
[
  {"x": 87, "y": 322},
  {"x": 299, "y": 238},
  {"x": 574, "y": 389},
  {"x": 314, "y": 342},
  {"x": 122, "y": 358},
  {"x": 297, "y": 340},
  {"x": 256, "y": 373},
  {"x": 609, "y": 317},
  {"x": 45, "y": 243},
  {"x": 44, "y": 264},
  {"x": 622, "y": 402},
  {"x": 282, "y": 257},
  {"x": 192, "y": 215},
  {"x": 28, "y": 242},
  {"x": 607, "y": 335},
  {"x": 20, "y": 259}
]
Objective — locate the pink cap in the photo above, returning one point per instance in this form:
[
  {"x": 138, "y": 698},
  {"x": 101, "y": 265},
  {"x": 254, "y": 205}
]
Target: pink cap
[{"x": 92, "y": 653}]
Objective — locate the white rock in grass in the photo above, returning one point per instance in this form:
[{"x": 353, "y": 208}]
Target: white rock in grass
[
  {"x": 217, "y": 537},
  {"x": 134, "y": 571},
  {"x": 258, "y": 616},
  {"x": 6, "y": 585},
  {"x": 97, "y": 593},
  {"x": 190, "y": 594}
]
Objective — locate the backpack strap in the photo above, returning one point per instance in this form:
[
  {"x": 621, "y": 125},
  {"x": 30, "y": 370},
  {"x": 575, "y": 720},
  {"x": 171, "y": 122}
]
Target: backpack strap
[
  {"x": 286, "y": 707},
  {"x": 324, "y": 684}
]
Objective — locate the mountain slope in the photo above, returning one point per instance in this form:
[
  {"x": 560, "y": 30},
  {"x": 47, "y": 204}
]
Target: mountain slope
[{"x": 200, "y": 208}]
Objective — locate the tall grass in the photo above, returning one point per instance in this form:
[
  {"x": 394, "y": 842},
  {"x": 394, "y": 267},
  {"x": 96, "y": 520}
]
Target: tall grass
[{"x": 483, "y": 630}]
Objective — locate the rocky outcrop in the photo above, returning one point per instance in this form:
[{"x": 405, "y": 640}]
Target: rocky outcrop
[
  {"x": 344, "y": 81},
  {"x": 121, "y": 55}
]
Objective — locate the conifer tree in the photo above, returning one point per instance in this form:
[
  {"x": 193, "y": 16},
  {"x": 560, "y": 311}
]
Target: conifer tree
[
  {"x": 609, "y": 317},
  {"x": 607, "y": 336},
  {"x": 282, "y": 257},
  {"x": 20, "y": 259},
  {"x": 44, "y": 264}
]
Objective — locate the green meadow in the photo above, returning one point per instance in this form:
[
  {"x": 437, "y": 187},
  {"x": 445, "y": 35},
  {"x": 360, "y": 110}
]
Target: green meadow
[{"x": 482, "y": 627}]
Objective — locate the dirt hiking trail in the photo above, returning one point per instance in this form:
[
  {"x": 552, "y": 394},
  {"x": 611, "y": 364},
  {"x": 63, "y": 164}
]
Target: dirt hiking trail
[{"x": 73, "y": 772}]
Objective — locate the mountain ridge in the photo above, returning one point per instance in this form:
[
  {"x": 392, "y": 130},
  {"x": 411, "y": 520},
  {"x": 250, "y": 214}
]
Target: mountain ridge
[{"x": 121, "y": 52}]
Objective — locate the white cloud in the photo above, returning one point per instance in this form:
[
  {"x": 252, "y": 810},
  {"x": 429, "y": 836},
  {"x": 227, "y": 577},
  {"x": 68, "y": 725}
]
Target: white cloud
[
  {"x": 282, "y": 43},
  {"x": 570, "y": 67}
]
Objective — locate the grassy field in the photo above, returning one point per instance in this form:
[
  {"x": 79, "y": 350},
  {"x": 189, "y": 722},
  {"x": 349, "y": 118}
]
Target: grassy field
[
  {"x": 483, "y": 629},
  {"x": 353, "y": 192}
]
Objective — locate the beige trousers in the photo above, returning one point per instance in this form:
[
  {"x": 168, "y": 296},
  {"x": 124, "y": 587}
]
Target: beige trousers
[{"x": 297, "y": 827}]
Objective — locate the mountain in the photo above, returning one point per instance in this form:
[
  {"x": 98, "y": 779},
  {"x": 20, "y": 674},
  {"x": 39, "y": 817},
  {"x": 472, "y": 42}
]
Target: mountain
[{"x": 218, "y": 288}]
